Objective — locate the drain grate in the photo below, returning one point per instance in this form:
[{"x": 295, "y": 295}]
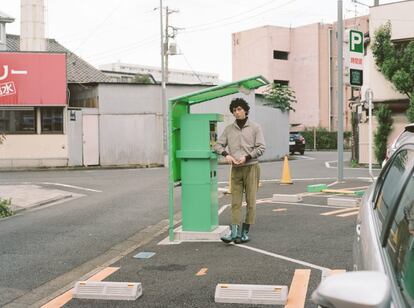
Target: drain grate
[
  {"x": 251, "y": 294},
  {"x": 107, "y": 290}
]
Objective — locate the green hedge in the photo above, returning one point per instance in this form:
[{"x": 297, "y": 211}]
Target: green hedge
[
  {"x": 5, "y": 208},
  {"x": 325, "y": 140}
]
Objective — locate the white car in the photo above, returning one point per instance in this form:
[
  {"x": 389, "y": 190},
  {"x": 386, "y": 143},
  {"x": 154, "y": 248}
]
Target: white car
[{"x": 384, "y": 242}]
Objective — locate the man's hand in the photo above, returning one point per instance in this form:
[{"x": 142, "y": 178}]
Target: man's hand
[
  {"x": 241, "y": 161},
  {"x": 231, "y": 160}
]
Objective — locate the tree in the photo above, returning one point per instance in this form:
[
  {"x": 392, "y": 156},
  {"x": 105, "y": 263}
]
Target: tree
[
  {"x": 395, "y": 61},
  {"x": 279, "y": 96},
  {"x": 384, "y": 118},
  {"x": 139, "y": 78}
]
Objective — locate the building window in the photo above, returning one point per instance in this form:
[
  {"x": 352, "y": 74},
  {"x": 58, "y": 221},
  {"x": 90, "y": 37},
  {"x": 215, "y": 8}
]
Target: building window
[
  {"x": 280, "y": 55},
  {"x": 2, "y": 33},
  {"x": 52, "y": 120},
  {"x": 281, "y": 82},
  {"x": 18, "y": 121}
]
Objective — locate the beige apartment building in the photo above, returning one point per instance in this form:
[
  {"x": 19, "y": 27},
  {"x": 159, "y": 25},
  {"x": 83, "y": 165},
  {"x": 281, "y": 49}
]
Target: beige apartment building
[
  {"x": 305, "y": 58},
  {"x": 402, "y": 22}
]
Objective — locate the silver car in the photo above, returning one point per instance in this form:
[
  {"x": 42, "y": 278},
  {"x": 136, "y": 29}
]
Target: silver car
[
  {"x": 406, "y": 134},
  {"x": 384, "y": 242}
]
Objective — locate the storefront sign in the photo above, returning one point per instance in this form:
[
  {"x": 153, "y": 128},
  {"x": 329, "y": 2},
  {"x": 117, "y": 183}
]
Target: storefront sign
[{"x": 32, "y": 79}]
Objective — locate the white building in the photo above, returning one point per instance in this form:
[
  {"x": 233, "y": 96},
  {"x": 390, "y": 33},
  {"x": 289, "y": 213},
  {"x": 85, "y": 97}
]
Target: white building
[
  {"x": 174, "y": 75},
  {"x": 400, "y": 16}
]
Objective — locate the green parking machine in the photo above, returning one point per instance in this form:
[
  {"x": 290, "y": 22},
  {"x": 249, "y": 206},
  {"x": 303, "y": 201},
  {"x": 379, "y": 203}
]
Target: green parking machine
[{"x": 192, "y": 163}]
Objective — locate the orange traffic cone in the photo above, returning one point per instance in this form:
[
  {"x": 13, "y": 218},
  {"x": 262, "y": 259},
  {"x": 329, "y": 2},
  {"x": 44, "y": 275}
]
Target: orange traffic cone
[{"x": 286, "y": 179}]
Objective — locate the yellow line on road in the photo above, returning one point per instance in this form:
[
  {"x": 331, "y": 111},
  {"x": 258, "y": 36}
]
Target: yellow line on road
[
  {"x": 338, "y": 211},
  {"x": 298, "y": 289},
  {"x": 348, "y": 214},
  {"x": 202, "y": 272},
  {"x": 67, "y": 296},
  {"x": 336, "y": 272}
]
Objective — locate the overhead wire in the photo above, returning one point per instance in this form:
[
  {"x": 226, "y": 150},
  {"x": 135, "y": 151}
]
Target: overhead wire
[
  {"x": 240, "y": 20},
  {"x": 101, "y": 23}
]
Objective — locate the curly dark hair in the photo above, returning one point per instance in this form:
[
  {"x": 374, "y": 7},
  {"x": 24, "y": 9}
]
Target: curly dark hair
[{"x": 236, "y": 102}]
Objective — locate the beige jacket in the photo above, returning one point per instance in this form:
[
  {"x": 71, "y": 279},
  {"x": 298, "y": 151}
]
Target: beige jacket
[{"x": 242, "y": 142}]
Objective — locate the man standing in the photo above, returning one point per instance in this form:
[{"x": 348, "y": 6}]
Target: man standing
[{"x": 244, "y": 142}]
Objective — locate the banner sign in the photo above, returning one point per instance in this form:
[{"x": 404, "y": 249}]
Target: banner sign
[{"x": 32, "y": 79}]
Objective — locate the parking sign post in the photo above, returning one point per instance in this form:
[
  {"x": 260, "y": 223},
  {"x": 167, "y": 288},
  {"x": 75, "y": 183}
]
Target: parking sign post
[
  {"x": 340, "y": 95},
  {"x": 354, "y": 57}
]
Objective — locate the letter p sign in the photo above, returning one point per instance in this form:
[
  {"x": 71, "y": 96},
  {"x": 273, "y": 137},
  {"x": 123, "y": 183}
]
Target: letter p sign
[{"x": 356, "y": 41}]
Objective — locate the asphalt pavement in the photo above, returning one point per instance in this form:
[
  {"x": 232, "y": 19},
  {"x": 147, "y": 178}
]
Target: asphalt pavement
[{"x": 286, "y": 237}]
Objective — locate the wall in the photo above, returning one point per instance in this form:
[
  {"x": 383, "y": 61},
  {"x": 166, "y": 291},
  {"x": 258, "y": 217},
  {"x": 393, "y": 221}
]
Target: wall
[
  {"x": 250, "y": 53},
  {"x": 305, "y": 82},
  {"x": 398, "y": 125},
  {"x": 33, "y": 151},
  {"x": 131, "y": 123},
  {"x": 272, "y": 120},
  {"x": 402, "y": 22}
]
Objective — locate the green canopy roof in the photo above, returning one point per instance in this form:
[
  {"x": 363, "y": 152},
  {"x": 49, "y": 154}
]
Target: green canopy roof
[{"x": 244, "y": 85}]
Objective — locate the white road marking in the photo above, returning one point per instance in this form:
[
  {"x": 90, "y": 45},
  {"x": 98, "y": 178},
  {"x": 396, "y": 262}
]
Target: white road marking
[
  {"x": 71, "y": 186},
  {"x": 349, "y": 214},
  {"x": 339, "y": 211},
  {"x": 223, "y": 208},
  {"x": 309, "y": 205},
  {"x": 271, "y": 254},
  {"x": 328, "y": 165},
  {"x": 278, "y": 180}
]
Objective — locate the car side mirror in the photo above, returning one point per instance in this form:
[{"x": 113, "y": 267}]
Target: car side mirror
[{"x": 354, "y": 289}]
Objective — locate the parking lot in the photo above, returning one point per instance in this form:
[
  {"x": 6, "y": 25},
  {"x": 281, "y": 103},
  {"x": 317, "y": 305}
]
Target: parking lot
[{"x": 288, "y": 236}]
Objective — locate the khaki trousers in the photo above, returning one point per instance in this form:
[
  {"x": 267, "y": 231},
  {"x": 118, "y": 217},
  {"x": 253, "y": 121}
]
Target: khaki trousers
[{"x": 244, "y": 179}]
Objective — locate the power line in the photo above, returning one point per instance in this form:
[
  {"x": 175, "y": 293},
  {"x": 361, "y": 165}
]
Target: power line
[
  {"x": 230, "y": 17},
  {"x": 101, "y": 24},
  {"x": 133, "y": 46},
  {"x": 191, "y": 68},
  {"x": 240, "y": 20}
]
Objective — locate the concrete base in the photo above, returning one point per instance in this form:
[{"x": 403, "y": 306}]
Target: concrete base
[
  {"x": 193, "y": 236},
  {"x": 286, "y": 198},
  {"x": 180, "y": 235},
  {"x": 348, "y": 202}
]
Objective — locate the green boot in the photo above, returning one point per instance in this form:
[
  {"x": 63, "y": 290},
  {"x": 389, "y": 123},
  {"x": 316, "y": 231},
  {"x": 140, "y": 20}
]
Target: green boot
[
  {"x": 234, "y": 230},
  {"x": 244, "y": 236}
]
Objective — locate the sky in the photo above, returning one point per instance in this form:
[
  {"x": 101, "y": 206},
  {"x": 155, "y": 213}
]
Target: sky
[{"x": 107, "y": 31}]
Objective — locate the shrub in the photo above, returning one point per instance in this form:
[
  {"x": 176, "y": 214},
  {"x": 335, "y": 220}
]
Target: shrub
[
  {"x": 384, "y": 118},
  {"x": 5, "y": 209},
  {"x": 325, "y": 140}
]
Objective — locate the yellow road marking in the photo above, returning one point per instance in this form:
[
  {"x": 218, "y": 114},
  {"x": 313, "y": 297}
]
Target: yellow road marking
[
  {"x": 279, "y": 210},
  {"x": 202, "y": 272},
  {"x": 339, "y": 191},
  {"x": 338, "y": 211},
  {"x": 298, "y": 288},
  {"x": 67, "y": 296},
  {"x": 336, "y": 272},
  {"x": 349, "y": 214}
]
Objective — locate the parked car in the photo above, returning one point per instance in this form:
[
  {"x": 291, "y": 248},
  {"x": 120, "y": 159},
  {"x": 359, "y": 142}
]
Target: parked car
[
  {"x": 296, "y": 143},
  {"x": 384, "y": 242},
  {"x": 406, "y": 133}
]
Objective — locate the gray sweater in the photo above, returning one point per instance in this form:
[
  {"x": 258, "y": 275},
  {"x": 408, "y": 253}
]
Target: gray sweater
[{"x": 241, "y": 142}]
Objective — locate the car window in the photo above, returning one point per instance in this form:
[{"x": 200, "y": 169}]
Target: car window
[
  {"x": 388, "y": 182},
  {"x": 400, "y": 243}
]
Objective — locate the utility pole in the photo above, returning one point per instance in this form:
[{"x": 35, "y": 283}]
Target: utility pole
[
  {"x": 167, "y": 37},
  {"x": 163, "y": 92},
  {"x": 167, "y": 12},
  {"x": 340, "y": 30}
]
